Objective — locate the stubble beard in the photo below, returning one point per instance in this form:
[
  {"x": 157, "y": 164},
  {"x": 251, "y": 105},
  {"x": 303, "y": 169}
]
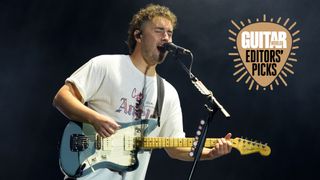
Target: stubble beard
[{"x": 155, "y": 58}]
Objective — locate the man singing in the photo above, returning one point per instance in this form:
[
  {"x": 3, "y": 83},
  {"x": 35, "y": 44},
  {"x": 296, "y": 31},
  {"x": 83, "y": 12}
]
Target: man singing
[{"x": 123, "y": 88}]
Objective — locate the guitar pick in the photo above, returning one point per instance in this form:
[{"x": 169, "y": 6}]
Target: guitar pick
[{"x": 264, "y": 48}]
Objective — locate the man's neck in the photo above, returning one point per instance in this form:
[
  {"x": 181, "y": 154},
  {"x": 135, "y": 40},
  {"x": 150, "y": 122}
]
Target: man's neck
[{"x": 141, "y": 65}]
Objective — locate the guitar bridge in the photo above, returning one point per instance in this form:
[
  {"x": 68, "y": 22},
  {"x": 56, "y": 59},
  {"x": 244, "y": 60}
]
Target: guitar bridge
[{"x": 78, "y": 142}]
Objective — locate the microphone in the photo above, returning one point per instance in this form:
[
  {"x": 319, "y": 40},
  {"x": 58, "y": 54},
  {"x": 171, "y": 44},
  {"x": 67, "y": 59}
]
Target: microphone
[{"x": 170, "y": 47}]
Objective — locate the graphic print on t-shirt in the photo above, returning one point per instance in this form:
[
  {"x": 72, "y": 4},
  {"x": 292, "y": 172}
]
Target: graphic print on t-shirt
[{"x": 139, "y": 110}]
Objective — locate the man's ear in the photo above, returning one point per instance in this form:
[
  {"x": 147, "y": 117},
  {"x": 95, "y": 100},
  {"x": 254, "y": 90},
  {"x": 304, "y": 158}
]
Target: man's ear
[{"x": 137, "y": 35}]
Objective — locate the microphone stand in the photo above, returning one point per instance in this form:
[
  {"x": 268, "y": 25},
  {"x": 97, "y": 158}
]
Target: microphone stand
[{"x": 212, "y": 107}]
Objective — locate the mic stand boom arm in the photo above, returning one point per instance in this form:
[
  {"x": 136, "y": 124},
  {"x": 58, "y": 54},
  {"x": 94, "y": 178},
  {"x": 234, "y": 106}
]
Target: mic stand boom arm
[
  {"x": 212, "y": 107},
  {"x": 203, "y": 89}
]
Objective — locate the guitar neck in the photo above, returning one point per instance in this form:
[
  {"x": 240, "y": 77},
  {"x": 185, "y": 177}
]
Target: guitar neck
[
  {"x": 244, "y": 146},
  {"x": 164, "y": 142}
]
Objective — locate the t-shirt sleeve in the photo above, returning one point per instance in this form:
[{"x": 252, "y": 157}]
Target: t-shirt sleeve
[{"x": 88, "y": 78}]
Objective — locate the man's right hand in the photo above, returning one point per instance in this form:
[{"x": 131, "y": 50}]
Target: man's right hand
[{"x": 104, "y": 125}]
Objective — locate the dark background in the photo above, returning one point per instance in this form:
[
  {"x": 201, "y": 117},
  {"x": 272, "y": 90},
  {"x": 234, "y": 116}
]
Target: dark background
[{"x": 43, "y": 42}]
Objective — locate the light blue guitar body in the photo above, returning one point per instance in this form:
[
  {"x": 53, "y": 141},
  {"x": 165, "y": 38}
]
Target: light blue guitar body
[{"x": 82, "y": 150}]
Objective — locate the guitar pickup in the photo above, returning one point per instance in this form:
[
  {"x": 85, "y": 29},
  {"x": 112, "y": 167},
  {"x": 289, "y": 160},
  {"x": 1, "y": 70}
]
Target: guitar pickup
[
  {"x": 78, "y": 142},
  {"x": 129, "y": 143}
]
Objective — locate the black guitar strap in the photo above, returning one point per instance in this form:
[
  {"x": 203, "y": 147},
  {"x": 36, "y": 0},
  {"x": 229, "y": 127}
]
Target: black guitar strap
[{"x": 160, "y": 97}]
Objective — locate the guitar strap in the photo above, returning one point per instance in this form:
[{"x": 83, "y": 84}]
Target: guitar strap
[{"x": 160, "y": 97}]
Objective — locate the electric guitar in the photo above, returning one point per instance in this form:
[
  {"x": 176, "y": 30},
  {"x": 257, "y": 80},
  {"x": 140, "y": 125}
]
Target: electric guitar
[{"x": 82, "y": 150}]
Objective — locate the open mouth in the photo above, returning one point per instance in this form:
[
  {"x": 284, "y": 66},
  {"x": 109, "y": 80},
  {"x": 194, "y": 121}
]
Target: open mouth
[{"x": 161, "y": 49}]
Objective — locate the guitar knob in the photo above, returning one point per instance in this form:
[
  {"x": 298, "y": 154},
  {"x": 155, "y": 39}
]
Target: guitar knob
[{"x": 133, "y": 161}]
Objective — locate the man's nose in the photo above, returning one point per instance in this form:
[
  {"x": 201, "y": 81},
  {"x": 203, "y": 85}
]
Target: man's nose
[{"x": 166, "y": 37}]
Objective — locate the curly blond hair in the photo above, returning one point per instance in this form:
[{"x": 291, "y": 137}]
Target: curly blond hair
[{"x": 144, "y": 15}]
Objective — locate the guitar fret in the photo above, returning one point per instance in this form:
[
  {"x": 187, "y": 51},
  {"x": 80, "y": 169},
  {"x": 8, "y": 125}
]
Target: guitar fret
[
  {"x": 156, "y": 142},
  {"x": 189, "y": 142},
  {"x": 153, "y": 142},
  {"x": 163, "y": 142}
]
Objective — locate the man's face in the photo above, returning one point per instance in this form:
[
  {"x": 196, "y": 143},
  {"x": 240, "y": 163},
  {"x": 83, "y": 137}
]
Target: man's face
[{"x": 154, "y": 34}]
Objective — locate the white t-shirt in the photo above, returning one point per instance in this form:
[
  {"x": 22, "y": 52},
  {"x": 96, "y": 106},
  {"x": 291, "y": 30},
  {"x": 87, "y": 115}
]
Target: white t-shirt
[{"x": 110, "y": 84}]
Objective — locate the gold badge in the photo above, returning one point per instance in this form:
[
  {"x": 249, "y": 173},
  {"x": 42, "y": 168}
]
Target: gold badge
[{"x": 264, "y": 52}]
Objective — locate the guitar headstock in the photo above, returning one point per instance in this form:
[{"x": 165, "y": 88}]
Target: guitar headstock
[{"x": 245, "y": 147}]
